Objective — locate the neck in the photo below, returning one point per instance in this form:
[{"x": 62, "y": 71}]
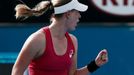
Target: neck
[{"x": 58, "y": 29}]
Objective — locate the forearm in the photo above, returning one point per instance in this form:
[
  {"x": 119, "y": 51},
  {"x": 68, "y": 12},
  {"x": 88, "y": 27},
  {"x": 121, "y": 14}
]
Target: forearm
[
  {"x": 90, "y": 68},
  {"x": 82, "y": 71}
]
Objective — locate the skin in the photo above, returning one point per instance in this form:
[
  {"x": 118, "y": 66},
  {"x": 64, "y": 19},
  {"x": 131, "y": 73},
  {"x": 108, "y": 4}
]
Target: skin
[{"x": 35, "y": 44}]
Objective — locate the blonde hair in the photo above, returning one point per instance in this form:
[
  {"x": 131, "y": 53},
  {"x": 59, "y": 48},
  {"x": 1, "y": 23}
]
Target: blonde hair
[{"x": 23, "y": 11}]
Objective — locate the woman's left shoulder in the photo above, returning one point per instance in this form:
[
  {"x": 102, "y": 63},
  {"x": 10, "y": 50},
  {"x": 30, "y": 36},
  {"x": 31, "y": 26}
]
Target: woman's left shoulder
[
  {"x": 74, "y": 40},
  {"x": 73, "y": 37}
]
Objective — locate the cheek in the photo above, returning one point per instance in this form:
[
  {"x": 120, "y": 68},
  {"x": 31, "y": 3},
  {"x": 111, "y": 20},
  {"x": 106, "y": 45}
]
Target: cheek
[{"x": 73, "y": 20}]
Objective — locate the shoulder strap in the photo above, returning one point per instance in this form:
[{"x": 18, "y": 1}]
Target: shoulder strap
[{"x": 71, "y": 44}]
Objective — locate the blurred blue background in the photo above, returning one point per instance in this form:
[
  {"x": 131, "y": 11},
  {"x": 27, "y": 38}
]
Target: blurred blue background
[{"x": 118, "y": 40}]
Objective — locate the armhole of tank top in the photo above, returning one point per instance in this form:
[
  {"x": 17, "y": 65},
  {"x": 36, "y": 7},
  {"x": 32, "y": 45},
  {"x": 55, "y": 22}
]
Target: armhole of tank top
[
  {"x": 42, "y": 30},
  {"x": 69, "y": 37}
]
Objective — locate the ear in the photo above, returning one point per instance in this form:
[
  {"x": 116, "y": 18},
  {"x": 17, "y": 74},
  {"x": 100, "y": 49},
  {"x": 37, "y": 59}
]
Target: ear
[{"x": 67, "y": 14}]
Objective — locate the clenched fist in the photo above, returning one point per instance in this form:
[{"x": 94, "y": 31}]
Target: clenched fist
[{"x": 101, "y": 58}]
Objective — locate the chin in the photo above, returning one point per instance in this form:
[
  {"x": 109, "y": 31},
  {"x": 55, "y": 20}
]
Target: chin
[{"x": 72, "y": 29}]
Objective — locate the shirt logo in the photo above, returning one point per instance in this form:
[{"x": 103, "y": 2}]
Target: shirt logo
[
  {"x": 116, "y": 7},
  {"x": 71, "y": 53}
]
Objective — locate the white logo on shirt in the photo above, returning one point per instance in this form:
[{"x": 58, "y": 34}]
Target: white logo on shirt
[{"x": 71, "y": 53}]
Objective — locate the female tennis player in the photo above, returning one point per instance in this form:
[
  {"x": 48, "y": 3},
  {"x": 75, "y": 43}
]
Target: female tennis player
[{"x": 52, "y": 50}]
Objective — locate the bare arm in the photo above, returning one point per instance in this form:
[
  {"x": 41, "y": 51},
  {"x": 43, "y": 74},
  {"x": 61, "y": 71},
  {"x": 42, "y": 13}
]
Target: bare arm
[
  {"x": 84, "y": 71},
  {"x": 73, "y": 69},
  {"x": 31, "y": 49}
]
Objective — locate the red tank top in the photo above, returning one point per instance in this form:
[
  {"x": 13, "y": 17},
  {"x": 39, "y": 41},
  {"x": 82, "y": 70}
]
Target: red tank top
[{"x": 50, "y": 63}]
